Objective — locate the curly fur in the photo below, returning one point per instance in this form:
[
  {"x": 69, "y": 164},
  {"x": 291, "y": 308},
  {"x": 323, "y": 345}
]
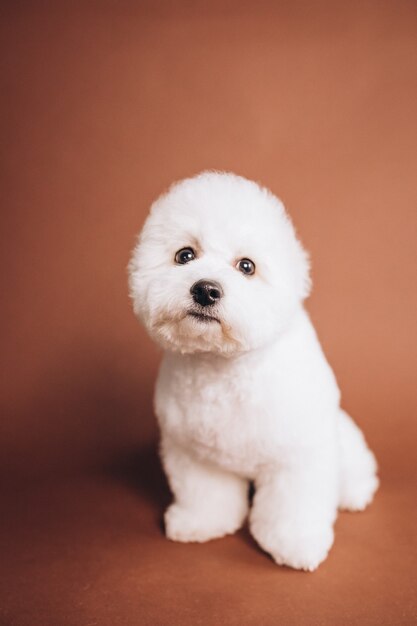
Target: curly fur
[{"x": 252, "y": 397}]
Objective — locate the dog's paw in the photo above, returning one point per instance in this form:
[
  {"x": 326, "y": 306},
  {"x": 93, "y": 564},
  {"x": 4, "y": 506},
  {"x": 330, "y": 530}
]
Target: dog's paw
[
  {"x": 358, "y": 493},
  {"x": 297, "y": 548},
  {"x": 187, "y": 525},
  {"x": 304, "y": 551}
]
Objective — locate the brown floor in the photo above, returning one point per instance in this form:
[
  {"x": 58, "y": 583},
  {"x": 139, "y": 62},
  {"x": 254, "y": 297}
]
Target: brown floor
[
  {"x": 103, "y": 104},
  {"x": 90, "y": 550}
]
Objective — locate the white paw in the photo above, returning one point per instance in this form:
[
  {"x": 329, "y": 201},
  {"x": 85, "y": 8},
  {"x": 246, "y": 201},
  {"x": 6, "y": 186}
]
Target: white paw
[
  {"x": 298, "y": 548},
  {"x": 357, "y": 494},
  {"x": 188, "y": 525}
]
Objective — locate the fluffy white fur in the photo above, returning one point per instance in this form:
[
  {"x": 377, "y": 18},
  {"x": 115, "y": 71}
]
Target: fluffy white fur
[{"x": 249, "y": 397}]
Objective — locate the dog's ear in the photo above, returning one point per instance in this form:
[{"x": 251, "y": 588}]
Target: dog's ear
[
  {"x": 303, "y": 272},
  {"x": 298, "y": 258}
]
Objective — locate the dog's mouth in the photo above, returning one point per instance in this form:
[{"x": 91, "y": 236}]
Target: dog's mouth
[{"x": 203, "y": 317}]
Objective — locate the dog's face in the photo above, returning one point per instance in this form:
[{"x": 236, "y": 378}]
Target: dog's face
[{"x": 217, "y": 267}]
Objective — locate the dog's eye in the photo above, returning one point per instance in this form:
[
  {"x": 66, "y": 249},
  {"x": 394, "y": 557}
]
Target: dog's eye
[
  {"x": 246, "y": 266},
  {"x": 185, "y": 255}
]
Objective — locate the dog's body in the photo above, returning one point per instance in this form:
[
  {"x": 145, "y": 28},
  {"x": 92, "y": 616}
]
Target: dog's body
[{"x": 244, "y": 391}]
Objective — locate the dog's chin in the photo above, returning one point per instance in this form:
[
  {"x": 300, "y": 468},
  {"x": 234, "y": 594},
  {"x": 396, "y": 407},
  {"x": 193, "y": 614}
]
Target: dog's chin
[
  {"x": 200, "y": 330},
  {"x": 196, "y": 331}
]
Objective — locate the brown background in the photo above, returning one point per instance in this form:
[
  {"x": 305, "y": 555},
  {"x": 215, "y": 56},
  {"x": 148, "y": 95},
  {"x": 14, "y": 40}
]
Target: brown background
[{"x": 103, "y": 105}]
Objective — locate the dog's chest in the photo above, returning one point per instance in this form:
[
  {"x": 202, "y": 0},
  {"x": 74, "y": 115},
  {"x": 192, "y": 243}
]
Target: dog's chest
[{"x": 227, "y": 414}]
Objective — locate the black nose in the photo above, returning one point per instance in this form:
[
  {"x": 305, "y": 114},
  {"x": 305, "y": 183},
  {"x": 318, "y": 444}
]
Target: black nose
[{"x": 206, "y": 292}]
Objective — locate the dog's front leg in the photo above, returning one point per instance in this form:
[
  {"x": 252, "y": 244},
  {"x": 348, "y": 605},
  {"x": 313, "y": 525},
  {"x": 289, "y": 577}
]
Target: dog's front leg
[
  {"x": 208, "y": 502},
  {"x": 294, "y": 509}
]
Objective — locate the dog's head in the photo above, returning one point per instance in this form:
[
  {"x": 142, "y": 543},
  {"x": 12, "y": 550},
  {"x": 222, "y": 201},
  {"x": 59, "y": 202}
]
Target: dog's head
[{"x": 217, "y": 267}]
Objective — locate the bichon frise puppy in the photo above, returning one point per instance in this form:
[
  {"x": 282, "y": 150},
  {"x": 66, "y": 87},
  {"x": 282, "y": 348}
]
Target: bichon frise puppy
[{"x": 244, "y": 392}]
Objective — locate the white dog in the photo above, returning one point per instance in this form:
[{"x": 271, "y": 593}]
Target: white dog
[{"x": 244, "y": 392}]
